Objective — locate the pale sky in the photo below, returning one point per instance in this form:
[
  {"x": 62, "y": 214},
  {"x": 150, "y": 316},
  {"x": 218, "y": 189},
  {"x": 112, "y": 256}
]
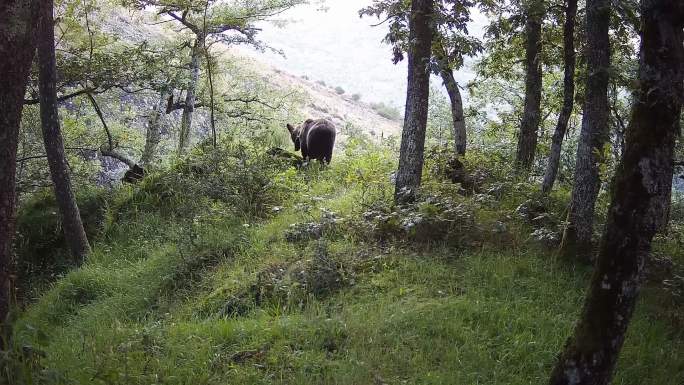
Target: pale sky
[{"x": 340, "y": 48}]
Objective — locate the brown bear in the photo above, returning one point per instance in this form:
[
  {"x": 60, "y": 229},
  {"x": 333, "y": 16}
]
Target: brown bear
[{"x": 316, "y": 139}]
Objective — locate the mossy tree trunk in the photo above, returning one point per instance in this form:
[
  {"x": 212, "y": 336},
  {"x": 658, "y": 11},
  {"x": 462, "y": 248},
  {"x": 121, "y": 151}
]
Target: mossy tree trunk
[
  {"x": 640, "y": 196},
  {"x": 529, "y": 127},
  {"x": 52, "y": 136},
  {"x": 153, "y": 132},
  {"x": 18, "y": 22},
  {"x": 568, "y": 96},
  {"x": 190, "y": 96},
  {"x": 577, "y": 242},
  {"x": 415, "y": 119},
  {"x": 457, "y": 116}
]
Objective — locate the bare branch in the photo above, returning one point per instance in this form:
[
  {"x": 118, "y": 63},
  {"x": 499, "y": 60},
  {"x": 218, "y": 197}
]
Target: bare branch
[
  {"x": 183, "y": 21},
  {"x": 112, "y": 153},
  {"x": 104, "y": 123},
  {"x": 65, "y": 97}
]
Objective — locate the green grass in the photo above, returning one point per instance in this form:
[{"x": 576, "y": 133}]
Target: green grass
[{"x": 146, "y": 308}]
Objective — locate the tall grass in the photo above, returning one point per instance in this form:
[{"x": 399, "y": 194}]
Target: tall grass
[{"x": 192, "y": 284}]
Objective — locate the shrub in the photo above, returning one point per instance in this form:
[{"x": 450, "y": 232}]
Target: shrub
[
  {"x": 339, "y": 90},
  {"x": 244, "y": 180},
  {"x": 430, "y": 219},
  {"x": 356, "y": 97},
  {"x": 386, "y": 111},
  {"x": 321, "y": 82},
  {"x": 290, "y": 285}
]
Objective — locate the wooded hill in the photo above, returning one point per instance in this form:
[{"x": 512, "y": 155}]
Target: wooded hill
[{"x": 531, "y": 235}]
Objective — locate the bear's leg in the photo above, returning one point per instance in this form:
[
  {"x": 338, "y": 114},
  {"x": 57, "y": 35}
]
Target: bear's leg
[{"x": 328, "y": 156}]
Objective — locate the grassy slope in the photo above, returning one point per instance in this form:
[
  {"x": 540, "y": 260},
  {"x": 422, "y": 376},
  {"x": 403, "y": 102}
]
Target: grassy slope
[{"x": 149, "y": 305}]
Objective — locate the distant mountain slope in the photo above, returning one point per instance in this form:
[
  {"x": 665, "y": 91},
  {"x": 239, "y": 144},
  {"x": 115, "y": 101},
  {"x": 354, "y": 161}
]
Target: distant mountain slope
[{"x": 325, "y": 102}]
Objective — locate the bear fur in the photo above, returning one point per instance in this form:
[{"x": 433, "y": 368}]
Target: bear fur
[{"x": 315, "y": 138}]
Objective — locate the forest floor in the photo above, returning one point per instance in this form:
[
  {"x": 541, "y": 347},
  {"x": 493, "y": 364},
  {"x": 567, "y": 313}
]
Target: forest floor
[{"x": 247, "y": 271}]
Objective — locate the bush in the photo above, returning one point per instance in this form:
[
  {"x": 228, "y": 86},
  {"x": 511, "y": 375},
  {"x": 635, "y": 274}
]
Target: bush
[
  {"x": 430, "y": 219},
  {"x": 356, "y": 97},
  {"x": 244, "y": 181},
  {"x": 321, "y": 82},
  {"x": 386, "y": 111},
  {"x": 289, "y": 285},
  {"x": 339, "y": 90}
]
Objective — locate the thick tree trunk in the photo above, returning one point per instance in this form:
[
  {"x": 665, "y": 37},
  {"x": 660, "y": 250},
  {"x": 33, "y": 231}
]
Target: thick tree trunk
[
  {"x": 640, "y": 196},
  {"x": 457, "y": 116},
  {"x": 52, "y": 136},
  {"x": 189, "y": 108},
  {"x": 153, "y": 135},
  {"x": 529, "y": 127},
  {"x": 415, "y": 120},
  {"x": 18, "y": 21},
  {"x": 577, "y": 237},
  {"x": 568, "y": 96}
]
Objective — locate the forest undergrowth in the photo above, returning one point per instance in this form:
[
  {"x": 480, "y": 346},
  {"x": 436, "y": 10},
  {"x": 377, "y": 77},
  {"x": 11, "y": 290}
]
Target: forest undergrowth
[{"x": 233, "y": 266}]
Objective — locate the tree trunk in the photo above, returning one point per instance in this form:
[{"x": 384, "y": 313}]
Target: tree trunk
[
  {"x": 417, "y": 92},
  {"x": 568, "y": 96},
  {"x": 52, "y": 136},
  {"x": 456, "y": 109},
  {"x": 18, "y": 21},
  {"x": 641, "y": 194},
  {"x": 189, "y": 108},
  {"x": 527, "y": 139},
  {"x": 153, "y": 135},
  {"x": 212, "y": 118},
  {"x": 577, "y": 237}
]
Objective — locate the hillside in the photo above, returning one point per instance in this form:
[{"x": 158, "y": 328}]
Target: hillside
[
  {"x": 222, "y": 257},
  {"x": 319, "y": 99},
  {"x": 325, "y": 102},
  {"x": 210, "y": 273}
]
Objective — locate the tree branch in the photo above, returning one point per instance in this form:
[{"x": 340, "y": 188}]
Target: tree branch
[
  {"x": 112, "y": 153},
  {"x": 65, "y": 97},
  {"x": 179, "y": 105},
  {"x": 104, "y": 123},
  {"x": 183, "y": 21},
  {"x": 109, "y": 150}
]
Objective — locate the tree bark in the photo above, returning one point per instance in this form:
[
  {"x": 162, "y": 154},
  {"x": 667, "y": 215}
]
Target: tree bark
[
  {"x": 527, "y": 139},
  {"x": 52, "y": 136},
  {"x": 457, "y": 116},
  {"x": 568, "y": 96},
  {"x": 212, "y": 118},
  {"x": 18, "y": 21},
  {"x": 153, "y": 134},
  {"x": 418, "y": 89},
  {"x": 189, "y": 108},
  {"x": 641, "y": 193},
  {"x": 577, "y": 236}
]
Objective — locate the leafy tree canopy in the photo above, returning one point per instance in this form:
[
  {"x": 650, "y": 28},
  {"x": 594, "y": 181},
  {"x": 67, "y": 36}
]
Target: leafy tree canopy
[{"x": 450, "y": 22}]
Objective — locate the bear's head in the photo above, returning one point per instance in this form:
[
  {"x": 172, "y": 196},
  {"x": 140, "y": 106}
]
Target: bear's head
[
  {"x": 294, "y": 135},
  {"x": 296, "y": 132}
]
